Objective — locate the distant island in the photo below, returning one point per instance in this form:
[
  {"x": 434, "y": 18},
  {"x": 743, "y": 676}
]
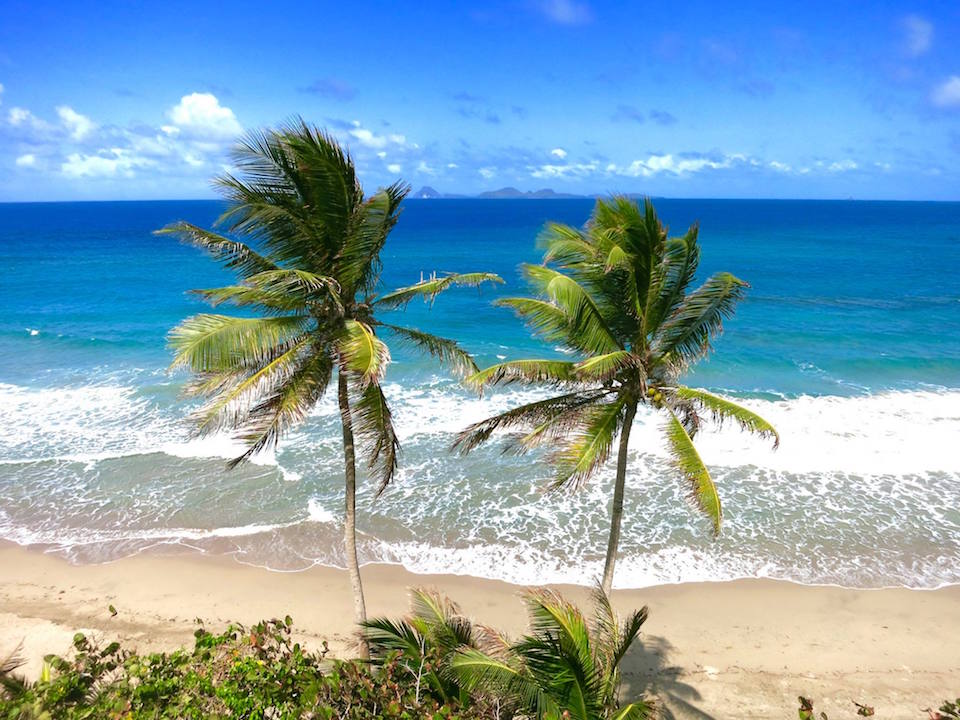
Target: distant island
[{"x": 429, "y": 193}]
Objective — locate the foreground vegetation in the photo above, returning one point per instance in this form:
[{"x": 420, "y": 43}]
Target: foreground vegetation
[{"x": 434, "y": 664}]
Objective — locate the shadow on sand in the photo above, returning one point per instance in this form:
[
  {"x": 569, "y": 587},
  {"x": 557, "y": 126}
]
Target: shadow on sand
[{"x": 646, "y": 671}]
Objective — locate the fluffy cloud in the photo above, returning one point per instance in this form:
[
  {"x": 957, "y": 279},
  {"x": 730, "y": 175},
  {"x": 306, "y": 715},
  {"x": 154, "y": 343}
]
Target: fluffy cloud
[
  {"x": 79, "y": 126},
  {"x": 559, "y": 153},
  {"x": 565, "y": 171},
  {"x": 917, "y": 35},
  {"x": 487, "y": 172},
  {"x": 369, "y": 139},
  {"x": 656, "y": 164},
  {"x": 842, "y": 166},
  {"x": 395, "y": 168},
  {"x": 424, "y": 169},
  {"x": 106, "y": 163},
  {"x": 947, "y": 94},
  {"x": 202, "y": 115},
  {"x": 27, "y": 160}
]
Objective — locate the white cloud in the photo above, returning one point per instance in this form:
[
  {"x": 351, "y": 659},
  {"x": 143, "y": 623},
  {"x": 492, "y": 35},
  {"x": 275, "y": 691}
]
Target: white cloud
[
  {"x": 79, "y": 126},
  {"x": 106, "y": 163},
  {"x": 28, "y": 160},
  {"x": 917, "y": 35},
  {"x": 452, "y": 166},
  {"x": 382, "y": 154},
  {"x": 842, "y": 166},
  {"x": 559, "y": 152},
  {"x": 656, "y": 164},
  {"x": 202, "y": 115},
  {"x": 565, "y": 12},
  {"x": 395, "y": 168},
  {"x": 779, "y": 166},
  {"x": 562, "y": 171},
  {"x": 425, "y": 169},
  {"x": 368, "y": 138},
  {"x": 947, "y": 94},
  {"x": 487, "y": 172}
]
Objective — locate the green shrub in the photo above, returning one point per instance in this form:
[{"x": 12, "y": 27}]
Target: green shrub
[{"x": 256, "y": 673}]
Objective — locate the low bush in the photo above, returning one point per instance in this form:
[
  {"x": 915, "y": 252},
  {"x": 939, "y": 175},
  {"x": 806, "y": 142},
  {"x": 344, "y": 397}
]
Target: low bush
[{"x": 256, "y": 672}]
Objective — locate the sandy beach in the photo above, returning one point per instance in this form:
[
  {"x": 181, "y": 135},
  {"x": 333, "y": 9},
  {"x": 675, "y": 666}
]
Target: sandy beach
[{"x": 742, "y": 649}]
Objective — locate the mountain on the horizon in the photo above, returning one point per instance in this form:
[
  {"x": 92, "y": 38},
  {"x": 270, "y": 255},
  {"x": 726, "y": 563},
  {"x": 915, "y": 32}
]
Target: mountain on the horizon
[
  {"x": 512, "y": 192},
  {"x": 429, "y": 193},
  {"x": 425, "y": 193}
]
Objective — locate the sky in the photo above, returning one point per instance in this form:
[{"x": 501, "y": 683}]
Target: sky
[{"x": 103, "y": 100}]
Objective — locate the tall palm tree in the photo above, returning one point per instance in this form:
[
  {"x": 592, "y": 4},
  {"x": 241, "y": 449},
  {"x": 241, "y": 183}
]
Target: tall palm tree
[
  {"x": 565, "y": 668},
  {"x": 616, "y": 294},
  {"x": 312, "y": 294}
]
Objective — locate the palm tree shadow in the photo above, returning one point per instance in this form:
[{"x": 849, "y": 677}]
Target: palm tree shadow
[{"x": 646, "y": 671}]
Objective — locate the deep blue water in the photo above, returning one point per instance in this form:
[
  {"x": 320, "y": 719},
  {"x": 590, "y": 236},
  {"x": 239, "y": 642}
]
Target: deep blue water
[{"x": 849, "y": 339}]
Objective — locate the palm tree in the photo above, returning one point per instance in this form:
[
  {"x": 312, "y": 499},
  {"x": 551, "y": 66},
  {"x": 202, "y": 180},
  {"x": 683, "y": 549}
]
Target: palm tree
[
  {"x": 426, "y": 640},
  {"x": 616, "y": 294},
  {"x": 564, "y": 668},
  {"x": 312, "y": 294}
]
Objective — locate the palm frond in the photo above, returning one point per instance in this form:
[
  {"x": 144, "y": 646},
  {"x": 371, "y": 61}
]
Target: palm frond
[
  {"x": 373, "y": 424},
  {"x": 590, "y": 446},
  {"x": 703, "y": 493},
  {"x": 234, "y": 394},
  {"x": 235, "y": 255},
  {"x": 478, "y": 671},
  {"x": 687, "y": 332},
  {"x": 551, "y": 372},
  {"x": 362, "y": 353},
  {"x": 587, "y": 328},
  {"x": 448, "y": 352},
  {"x": 723, "y": 409},
  {"x": 528, "y": 415},
  {"x": 213, "y": 343},
  {"x": 600, "y": 368},
  {"x": 671, "y": 278},
  {"x": 279, "y": 290},
  {"x": 285, "y": 406},
  {"x": 358, "y": 264},
  {"x": 430, "y": 288}
]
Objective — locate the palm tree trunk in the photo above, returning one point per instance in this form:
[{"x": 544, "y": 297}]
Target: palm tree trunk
[
  {"x": 616, "y": 515},
  {"x": 350, "y": 516}
]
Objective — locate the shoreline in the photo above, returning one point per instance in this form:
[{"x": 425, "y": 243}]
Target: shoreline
[{"x": 739, "y": 648}]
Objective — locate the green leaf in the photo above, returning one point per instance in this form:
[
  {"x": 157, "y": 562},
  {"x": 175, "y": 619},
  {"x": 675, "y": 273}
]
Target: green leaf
[
  {"x": 702, "y": 490},
  {"x": 362, "y": 353},
  {"x": 235, "y": 255},
  {"x": 211, "y": 343},
  {"x": 553, "y": 372},
  {"x": 448, "y": 352},
  {"x": 723, "y": 409},
  {"x": 373, "y": 424},
  {"x": 590, "y": 446},
  {"x": 604, "y": 367},
  {"x": 430, "y": 288}
]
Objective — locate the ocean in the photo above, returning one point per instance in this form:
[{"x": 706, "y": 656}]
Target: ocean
[{"x": 849, "y": 342}]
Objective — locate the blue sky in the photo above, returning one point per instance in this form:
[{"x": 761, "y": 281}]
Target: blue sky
[{"x": 106, "y": 100}]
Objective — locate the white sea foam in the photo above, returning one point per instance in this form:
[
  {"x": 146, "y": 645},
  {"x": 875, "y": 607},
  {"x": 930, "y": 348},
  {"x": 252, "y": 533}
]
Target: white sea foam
[{"x": 862, "y": 491}]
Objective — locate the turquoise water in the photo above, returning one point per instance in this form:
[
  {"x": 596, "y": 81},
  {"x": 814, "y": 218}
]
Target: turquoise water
[{"x": 848, "y": 342}]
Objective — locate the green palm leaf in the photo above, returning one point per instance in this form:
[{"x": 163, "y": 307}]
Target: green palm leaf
[
  {"x": 723, "y": 409},
  {"x": 210, "y": 343},
  {"x": 235, "y": 255},
  {"x": 687, "y": 332},
  {"x": 604, "y": 367},
  {"x": 358, "y": 264},
  {"x": 446, "y": 351},
  {"x": 703, "y": 492},
  {"x": 429, "y": 289},
  {"x": 373, "y": 423},
  {"x": 590, "y": 447},
  {"x": 529, "y": 415},
  {"x": 554, "y": 372},
  {"x": 362, "y": 353}
]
